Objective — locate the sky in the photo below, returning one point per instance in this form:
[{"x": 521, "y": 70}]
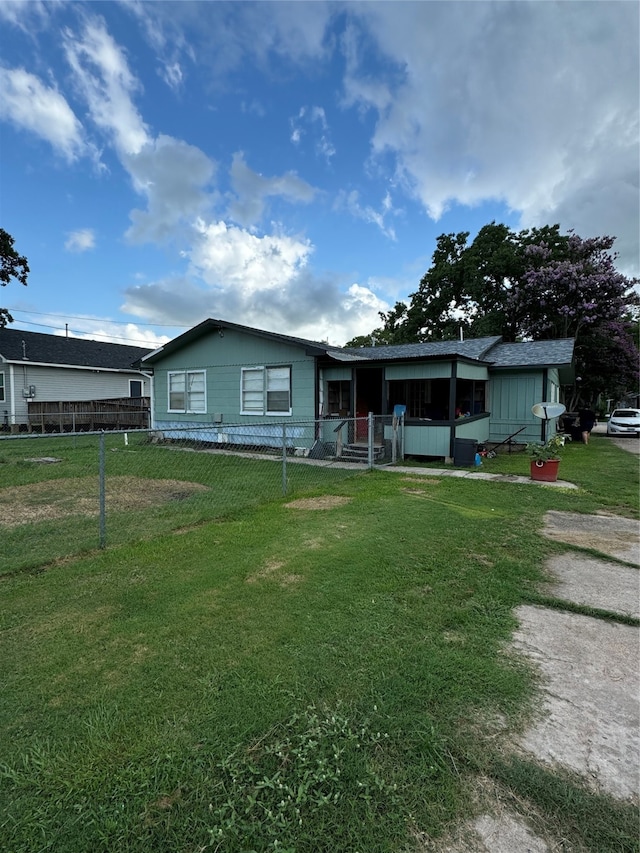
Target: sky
[{"x": 290, "y": 165}]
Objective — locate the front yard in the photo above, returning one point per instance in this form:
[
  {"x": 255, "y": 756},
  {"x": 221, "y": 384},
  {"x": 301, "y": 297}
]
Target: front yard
[{"x": 326, "y": 671}]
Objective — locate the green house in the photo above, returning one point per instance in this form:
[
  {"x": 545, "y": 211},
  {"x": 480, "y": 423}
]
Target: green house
[{"x": 235, "y": 381}]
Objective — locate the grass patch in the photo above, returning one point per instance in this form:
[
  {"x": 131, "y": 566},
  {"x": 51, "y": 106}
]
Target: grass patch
[
  {"x": 586, "y": 821},
  {"x": 157, "y": 694}
]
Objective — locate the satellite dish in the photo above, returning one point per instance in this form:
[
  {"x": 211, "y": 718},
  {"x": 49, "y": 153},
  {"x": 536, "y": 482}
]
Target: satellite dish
[{"x": 548, "y": 411}]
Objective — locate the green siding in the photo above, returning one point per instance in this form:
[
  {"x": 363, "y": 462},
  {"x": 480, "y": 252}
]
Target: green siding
[
  {"x": 472, "y": 371},
  {"x": 427, "y": 441},
  {"x": 511, "y": 395},
  {"x": 335, "y": 374},
  {"x": 424, "y": 370},
  {"x": 223, "y": 359},
  {"x": 478, "y": 429}
]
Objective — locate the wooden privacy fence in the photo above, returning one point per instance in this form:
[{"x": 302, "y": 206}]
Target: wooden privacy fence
[{"x": 89, "y": 415}]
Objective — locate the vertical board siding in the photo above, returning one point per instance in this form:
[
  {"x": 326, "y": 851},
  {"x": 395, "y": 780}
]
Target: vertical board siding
[{"x": 511, "y": 396}]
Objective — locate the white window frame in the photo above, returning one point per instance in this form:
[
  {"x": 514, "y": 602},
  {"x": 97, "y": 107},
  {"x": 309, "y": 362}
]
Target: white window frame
[
  {"x": 188, "y": 407},
  {"x": 2, "y": 386},
  {"x": 262, "y": 395}
]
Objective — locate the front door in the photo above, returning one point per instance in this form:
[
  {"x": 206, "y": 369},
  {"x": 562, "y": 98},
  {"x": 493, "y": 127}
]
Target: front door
[{"x": 369, "y": 387}]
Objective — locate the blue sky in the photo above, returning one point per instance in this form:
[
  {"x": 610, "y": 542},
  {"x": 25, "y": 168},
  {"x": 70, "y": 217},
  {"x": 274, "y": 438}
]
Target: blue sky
[{"x": 290, "y": 165}]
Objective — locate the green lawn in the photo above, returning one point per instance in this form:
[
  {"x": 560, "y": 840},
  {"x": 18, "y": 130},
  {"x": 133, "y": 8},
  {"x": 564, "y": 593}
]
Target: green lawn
[{"x": 261, "y": 677}]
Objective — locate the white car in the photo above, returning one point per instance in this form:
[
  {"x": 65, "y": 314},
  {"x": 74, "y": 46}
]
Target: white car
[{"x": 624, "y": 422}]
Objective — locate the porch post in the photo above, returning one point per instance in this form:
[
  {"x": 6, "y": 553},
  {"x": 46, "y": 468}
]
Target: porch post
[
  {"x": 370, "y": 440},
  {"x": 452, "y": 405}
]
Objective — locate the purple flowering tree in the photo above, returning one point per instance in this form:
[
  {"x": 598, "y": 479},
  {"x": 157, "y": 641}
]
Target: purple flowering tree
[
  {"x": 536, "y": 284},
  {"x": 575, "y": 291}
]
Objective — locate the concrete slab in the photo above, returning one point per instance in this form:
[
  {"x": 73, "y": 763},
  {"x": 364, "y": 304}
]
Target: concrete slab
[
  {"x": 595, "y": 583},
  {"x": 477, "y": 474},
  {"x": 590, "y": 719},
  {"x": 612, "y": 535}
]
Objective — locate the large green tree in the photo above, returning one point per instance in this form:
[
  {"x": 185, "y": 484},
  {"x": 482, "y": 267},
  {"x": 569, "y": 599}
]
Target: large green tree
[
  {"x": 534, "y": 284},
  {"x": 12, "y": 265}
]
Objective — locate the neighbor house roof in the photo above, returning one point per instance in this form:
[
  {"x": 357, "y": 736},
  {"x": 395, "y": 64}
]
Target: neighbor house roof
[{"x": 35, "y": 348}]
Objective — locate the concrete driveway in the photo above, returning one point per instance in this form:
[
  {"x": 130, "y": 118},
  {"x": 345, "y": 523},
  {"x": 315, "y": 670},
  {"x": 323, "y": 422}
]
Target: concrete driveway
[{"x": 631, "y": 443}]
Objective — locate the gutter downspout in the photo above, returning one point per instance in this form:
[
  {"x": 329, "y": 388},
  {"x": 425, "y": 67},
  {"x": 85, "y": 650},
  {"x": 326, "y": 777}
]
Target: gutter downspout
[
  {"x": 152, "y": 399},
  {"x": 12, "y": 396}
]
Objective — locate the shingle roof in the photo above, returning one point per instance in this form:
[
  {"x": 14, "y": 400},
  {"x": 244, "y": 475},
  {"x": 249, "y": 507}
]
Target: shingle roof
[
  {"x": 473, "y": 348},
  {"x": 532, "y": 353},
  {"x": 489, "y": 349},
  {"x": 213, "y": 325},
  {"x": 16, "y": 345}
]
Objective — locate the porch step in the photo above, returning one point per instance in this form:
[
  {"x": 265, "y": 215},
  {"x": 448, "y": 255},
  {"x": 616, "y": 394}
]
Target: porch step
[{"x": 360, "y": 453}]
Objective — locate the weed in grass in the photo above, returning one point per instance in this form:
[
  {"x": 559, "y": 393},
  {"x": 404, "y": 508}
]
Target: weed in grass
[{"x": 313, "y": 785}]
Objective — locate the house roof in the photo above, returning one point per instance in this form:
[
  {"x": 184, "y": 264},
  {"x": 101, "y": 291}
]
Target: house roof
[
  {"x": 214, "y": 325},
  {"x": 17, "y": 345},
  {"x": 533, "y": 353},
  {"x": 473, "y": 348},
  {"x": 489, "y": 350}
]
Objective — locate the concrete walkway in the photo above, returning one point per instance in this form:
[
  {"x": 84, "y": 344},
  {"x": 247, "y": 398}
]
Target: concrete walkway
[
  {"x": 588, "y": 722},
  {"x": 476, "y": 474}
]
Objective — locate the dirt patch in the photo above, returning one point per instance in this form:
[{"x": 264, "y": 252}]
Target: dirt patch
[
  {"x": 270, "y": 572},
  {"x": 52, "y": 499},
  {"x": 612, "y": 535},
  {"x": 289, "y": 580},
  {"x": 322, "y": 502},
  {"x": 422, "y": 480},
  {"x": 266, "y": 571}
]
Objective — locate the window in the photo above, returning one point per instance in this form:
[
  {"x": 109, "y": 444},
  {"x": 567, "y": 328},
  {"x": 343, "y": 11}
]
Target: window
[
  {"x": 266, "y": 391},
  {"x": 339, "y": 397},
  {"x": 1, "y": 387},
  {"x": 427, "y": 399},
  {"x": 187, "y": 391},
  {"x": 470, "y": 397},
  {"x": 135, "y": 388}
]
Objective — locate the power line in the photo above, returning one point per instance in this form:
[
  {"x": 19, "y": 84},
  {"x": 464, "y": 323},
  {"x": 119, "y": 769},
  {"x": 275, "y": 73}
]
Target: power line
[
  {"x": 98, "y": 334},
  {"x": 92, "y": 319}
]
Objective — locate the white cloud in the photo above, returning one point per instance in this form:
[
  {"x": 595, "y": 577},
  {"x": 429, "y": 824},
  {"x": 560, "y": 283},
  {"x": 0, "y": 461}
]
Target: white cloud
[
  {"x": 31, "y": 105},
  {"x": 263, "y": 282},
  {"x": 231, "y": 258},
  {"x": 81, "y": 240},
  {"x": 351, "y": 202},
  {"x": 252, "y": 190},
  {"x": 313, "y": 120},
  {"x": 532, "y": 104},
  {"x": 25, "y": 15},
  {"x": 176, "y": 180},
  {"x": 172, "y": 75},
  {"x": 103, "y": 78}
]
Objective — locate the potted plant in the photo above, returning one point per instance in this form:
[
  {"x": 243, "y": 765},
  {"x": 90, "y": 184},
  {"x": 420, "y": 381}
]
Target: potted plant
[{"x": 545, "y": 458}]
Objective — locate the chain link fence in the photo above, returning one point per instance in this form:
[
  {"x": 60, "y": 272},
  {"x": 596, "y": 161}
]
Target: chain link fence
[{"x": 65, "y": 494}]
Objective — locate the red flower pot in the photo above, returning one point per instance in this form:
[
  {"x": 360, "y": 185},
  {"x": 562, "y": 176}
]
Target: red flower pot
[{"x": 545, "y": 470}]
